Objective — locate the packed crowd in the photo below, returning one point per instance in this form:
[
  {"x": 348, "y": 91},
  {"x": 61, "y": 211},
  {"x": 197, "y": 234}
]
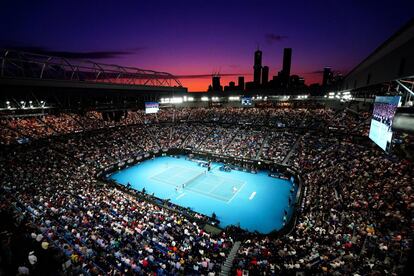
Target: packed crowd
[
  {"x": 57, "y": 124},
  {"x": 384, "y": 112},
  {"x": 355, "y": 218},
  {"x": 102, "y": 229},
  {"x": 277, "y": 145},
  {"x": 246, "y": 144},
  {"x": 106, "y": 147}
]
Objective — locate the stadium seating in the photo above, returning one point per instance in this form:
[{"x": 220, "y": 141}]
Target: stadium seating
[{"x": 355, "y": 218}]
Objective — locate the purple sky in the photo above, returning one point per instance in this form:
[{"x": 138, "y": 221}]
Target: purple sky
[{"x": 201, "y": 37}]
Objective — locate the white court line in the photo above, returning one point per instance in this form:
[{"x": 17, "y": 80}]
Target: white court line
[
  {"x": 252, "y": 195},
  {"x": 196, "y": 169},
  {"x": 228, "y": 202},
  {"x": 160, "y": 172},
  {"x": 180, "y": 196},
  {"x": 211, "y": 191},
  {"x": 176, "y": 174},
  {"x": 175, "y": 171}
]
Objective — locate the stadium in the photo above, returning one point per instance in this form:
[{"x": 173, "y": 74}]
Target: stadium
[{"x": 116, "y": 170}]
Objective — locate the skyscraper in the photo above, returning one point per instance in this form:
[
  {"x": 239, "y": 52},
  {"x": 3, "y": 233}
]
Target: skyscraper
[
  {"x": 265, "y": 74},
  {"x": 326, "y": 76},
  {"x": 231, "y": 87},
  {"x": 216, "y": 84},
  {"x": 257, "y": 67},
  {"x": 240, "y": 84},
  {"x": 287, "y": 59}
]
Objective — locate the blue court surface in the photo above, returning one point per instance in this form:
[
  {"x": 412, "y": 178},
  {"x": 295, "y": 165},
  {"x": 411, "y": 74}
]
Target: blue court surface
[{"x": 256, "y": 202}]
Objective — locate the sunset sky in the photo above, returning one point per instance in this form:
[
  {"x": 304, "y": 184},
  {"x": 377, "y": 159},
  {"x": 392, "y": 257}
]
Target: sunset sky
[{"x": 194, "y": 39}]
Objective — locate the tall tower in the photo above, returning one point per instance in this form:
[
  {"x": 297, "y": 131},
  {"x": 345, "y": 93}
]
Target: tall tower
[
  {"x": 326, "y": 76},
  {"x": 265, "y": 74},
  {"x": 241, "y": 83},
  {"x": 216, "y": 83},
  {"x": 257, "y": 66},
  {"x": 287, "y": 59}
]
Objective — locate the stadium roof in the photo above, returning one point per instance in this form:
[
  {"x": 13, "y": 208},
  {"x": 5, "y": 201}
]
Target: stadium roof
[{"x": 392, "y": 60}]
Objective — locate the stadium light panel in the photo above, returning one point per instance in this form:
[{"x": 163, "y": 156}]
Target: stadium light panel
[
  {"x": 234, "y": 98},
  {"x": 176, "y": 100}
]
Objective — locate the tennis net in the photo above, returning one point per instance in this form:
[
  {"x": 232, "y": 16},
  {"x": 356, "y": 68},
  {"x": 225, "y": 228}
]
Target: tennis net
[{"x": 192, "y": 180}]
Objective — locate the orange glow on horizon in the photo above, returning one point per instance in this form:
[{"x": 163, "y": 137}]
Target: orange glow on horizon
[{"x": 201, "y": 84}]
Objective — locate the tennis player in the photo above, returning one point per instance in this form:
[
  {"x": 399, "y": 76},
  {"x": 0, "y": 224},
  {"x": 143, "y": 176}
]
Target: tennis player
[{"x": 234, "y": 189}]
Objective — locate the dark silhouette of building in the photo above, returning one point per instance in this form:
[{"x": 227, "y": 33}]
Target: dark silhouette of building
[
  {"x": 275, "y": 82},
  {"x": 327, "y": 75},
  {"x": 279, "y": 85},
  {"x": 296, "y": 81},
  {"x": 215, "y": 84},
  {"x": 251, "y": 85},
  {"x": 265, "y": 75},
  {"x": 231, "y": 87},
  {"x": 315, "y": 89},
  {"x": 257, "y": 67},
  {"x": 287, "y": 60},
  {"x": 334, "y": 81},
  {"x": 240, "y": 84}
]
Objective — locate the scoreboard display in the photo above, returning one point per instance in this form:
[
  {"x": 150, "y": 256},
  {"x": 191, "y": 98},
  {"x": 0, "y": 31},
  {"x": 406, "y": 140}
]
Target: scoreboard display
[
  {"x": 380, "y": 131},
  {"x": 246, "y": 101},
  {"x": 151, "y": 107}
]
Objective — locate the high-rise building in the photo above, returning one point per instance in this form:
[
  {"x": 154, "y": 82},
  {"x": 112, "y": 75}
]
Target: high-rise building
[
  {"x": 216, "y": 84},
  {"x": 257, "y": 67},
  {"x": 265, "y": 74},
  {"x": 287, "y": 60},
  {"x": 296, "y": 81},
  {"x": 231, "y": 87},
  {"x": 240, "y": 84},
  {"x": 327, "y": 74}
]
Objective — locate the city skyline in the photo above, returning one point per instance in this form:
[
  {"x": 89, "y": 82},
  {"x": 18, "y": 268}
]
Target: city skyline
[{"x": 195, "y": 41}]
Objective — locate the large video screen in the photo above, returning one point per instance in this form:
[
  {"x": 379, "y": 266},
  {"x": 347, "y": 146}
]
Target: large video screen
[
  {"x": 384, "y": 110},
  {"x": 246, "y": 101},
  {"x": 151, "y": 107}
]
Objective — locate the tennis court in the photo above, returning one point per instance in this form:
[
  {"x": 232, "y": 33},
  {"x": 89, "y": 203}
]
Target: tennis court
[
  {"x": 256, "y": 202},
  {"x": 200, "y": 181}
]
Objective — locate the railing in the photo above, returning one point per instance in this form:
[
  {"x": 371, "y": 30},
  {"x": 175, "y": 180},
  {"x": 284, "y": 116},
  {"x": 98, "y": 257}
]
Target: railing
[{"x": 18, "y": 64}]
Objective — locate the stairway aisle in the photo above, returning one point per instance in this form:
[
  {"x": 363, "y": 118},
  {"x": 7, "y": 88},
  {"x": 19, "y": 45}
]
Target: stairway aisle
[
  {"x": 292, "y": 150},
  {"x": 228, "y": 264}
]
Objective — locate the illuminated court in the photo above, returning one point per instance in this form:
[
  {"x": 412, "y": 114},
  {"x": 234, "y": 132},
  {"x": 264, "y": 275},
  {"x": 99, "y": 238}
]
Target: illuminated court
[{"x": 256, "y": 202}]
